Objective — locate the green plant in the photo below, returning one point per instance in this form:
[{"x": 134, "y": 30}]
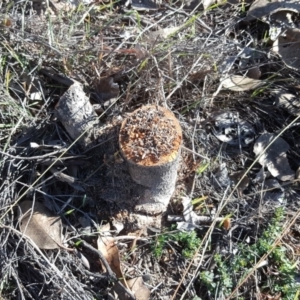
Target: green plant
[
  {"x": 230, "y": 271},
  {"x": 187, "y": 241}
]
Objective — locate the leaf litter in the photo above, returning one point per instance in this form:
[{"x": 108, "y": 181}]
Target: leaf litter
[
  {"x": 271, "y": 153},
  {"x": 192, "y": 52},
  {"x": 41, "y": 225}
]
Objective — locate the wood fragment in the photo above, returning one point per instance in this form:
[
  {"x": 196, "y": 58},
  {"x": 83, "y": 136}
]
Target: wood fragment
[{"x": 77, "y": 114}]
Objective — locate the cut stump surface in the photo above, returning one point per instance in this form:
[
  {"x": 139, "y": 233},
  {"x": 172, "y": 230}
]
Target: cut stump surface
[{"x": 150, "y": 140}]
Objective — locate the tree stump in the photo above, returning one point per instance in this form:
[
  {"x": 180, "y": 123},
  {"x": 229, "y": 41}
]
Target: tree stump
[{"x": 150, "y": 141}]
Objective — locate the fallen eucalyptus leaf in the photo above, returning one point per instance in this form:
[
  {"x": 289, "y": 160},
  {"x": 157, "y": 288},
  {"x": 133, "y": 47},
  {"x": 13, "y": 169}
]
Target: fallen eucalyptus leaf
[
  {"x": 274, "y": 158},
  {"x": 288, "y": 101},
  {"x": 261, "y": 8},
  {"x": 240, "y": 83},
  {"x": 287, "y": 46},
  {"x": 41, "y": 225},
  {"x": 110, "y": 251},
  {"x": 138, "y": 288}
]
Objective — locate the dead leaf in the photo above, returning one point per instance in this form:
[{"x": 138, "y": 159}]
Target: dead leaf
[
  {"x": 138, "y": 288},
  {"x": 274, "y": 158},
  {"x": 288, "y": 101},
  {"x": 287, "y": 46},
  {"x": 240, "y": 83},
  {"x": 41, "y": 225},
  {"x": 110, "y": 252},
  {"x": 227, "y": 224},
  {"x": 261, "y": 8},
  {"x": 107, "y": 245}
]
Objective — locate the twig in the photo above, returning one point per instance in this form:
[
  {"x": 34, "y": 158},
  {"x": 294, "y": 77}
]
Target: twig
[
  {"x": 32, "y": 157},
  {"x": 200, "y": 219}
]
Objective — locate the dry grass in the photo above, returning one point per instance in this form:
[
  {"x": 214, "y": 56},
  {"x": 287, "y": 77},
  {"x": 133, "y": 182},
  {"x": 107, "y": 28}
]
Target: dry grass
[{"x": 42, "y": 48}]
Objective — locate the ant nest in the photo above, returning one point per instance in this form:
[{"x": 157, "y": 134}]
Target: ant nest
[{"x": 151, "y": 135}]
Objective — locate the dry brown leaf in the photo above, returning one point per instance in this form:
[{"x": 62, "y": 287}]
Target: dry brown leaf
[
  {"x": 240, "y": 83},
  {"x": 138, "y": 288},
  {"x": 274, "y": 158},
  {"x": 287, "y": 46},
  {"x": 227, "y": 224},
  {"x": 110, "y": 251},
  {"x": 40, "y": 225}
]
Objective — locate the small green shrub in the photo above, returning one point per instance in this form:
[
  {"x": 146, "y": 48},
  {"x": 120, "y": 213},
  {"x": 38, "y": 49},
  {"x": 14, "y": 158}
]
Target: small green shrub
[
  {"x": 230, "y": 271},
  {"x": 187, "y": 241}
]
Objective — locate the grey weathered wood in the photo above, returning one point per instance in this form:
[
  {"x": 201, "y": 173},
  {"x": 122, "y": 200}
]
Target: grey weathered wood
[{"x": 77, "y": 114}]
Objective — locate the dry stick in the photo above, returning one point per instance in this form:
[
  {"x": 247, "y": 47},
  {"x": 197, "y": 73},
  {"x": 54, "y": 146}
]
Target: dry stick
[
  {"x": 60, "y": 275},
  {"x": 200, "y": 219},
  {"x": 34, "y": 157},
  {"x": 107, "y": 267},
  {"x": 219, "y": 211},
  {"x": 274, "y": 188}
]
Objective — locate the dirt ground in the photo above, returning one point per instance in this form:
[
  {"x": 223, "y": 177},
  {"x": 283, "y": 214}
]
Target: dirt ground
[{"x": 229, "y": 72}]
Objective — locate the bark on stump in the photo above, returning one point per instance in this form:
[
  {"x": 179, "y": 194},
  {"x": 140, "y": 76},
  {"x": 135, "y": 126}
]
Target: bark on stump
[{"x": 150, "y": 140}]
